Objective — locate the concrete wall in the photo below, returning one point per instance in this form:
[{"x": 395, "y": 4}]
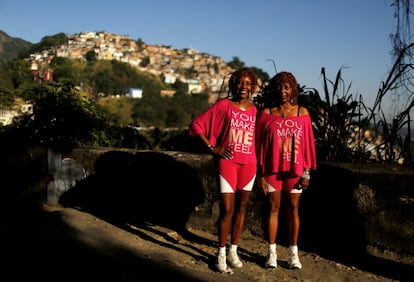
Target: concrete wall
[{"x": 349, "y": 210}]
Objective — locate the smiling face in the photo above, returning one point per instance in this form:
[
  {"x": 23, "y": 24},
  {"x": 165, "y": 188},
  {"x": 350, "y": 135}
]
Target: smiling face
[
  {"x": 244, "y": 87},
  {"x": 242, "y": 84}
]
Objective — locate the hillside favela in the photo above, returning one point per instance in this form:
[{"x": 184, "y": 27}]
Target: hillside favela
[{"x": 207, "y": 71}]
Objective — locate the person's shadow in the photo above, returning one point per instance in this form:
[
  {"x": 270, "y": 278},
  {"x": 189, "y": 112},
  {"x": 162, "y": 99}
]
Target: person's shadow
[{"x": 140, "y": 188}]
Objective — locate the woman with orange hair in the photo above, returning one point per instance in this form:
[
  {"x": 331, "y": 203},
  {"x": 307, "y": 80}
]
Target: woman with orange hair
[
  {"x": 285, "y": 153},
  {"x": 227, "y": 128}
]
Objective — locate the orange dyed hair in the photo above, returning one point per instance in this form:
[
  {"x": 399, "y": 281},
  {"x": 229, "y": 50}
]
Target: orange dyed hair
[{"x": 271, "y": 92}]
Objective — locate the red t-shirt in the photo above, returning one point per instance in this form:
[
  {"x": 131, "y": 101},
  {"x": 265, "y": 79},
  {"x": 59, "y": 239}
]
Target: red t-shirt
[
  {"x": 228, "y": 126},
  {"x": 284, "y": 144}
]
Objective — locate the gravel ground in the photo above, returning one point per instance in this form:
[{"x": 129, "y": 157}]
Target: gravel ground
[{"x": 65, "y": 244}]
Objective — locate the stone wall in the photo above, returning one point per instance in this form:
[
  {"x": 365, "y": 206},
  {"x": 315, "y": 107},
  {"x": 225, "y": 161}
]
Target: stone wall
[{"x": 349, "y": 209}]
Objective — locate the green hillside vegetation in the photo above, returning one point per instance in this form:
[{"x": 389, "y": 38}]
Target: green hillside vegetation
[
  {"x": 102, "y": 81},
  {"x": 104, "y": 84}
]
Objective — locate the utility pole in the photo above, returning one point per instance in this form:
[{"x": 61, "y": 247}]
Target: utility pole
[{"x": 274, "y": 64}]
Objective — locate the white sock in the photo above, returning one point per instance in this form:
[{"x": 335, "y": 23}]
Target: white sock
[
  {"x": 293, "y": 248},
  {"x": 233, "y": 248},
  {"x": 222, "y": 250},
  {"x": 272, "y": 247}
]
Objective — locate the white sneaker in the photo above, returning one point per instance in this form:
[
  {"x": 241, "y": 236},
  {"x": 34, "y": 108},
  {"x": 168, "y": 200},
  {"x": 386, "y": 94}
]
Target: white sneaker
[
  {"x": 293, "y": 260},
  {"x": 234, "y": 260},
  {"x": 271, "y": 260},
  {"x": 221, "y": 264}
]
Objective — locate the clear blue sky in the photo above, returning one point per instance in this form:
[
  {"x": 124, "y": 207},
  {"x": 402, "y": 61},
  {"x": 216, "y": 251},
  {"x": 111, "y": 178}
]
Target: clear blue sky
[{"x": 301, "y": 36}]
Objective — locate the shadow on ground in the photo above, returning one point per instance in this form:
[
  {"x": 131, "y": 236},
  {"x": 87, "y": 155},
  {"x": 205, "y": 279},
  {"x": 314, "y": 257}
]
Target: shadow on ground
[
  {"x": 138, "y": 188},
  {"x": 40, "y": 245}
]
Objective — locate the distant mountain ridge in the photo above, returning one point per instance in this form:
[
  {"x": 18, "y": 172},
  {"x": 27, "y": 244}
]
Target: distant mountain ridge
[{"x": 11, "y": 47}]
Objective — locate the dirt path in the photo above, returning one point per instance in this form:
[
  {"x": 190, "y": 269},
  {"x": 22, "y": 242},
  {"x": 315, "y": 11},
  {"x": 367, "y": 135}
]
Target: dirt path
[{"x": 65, "y": 244}]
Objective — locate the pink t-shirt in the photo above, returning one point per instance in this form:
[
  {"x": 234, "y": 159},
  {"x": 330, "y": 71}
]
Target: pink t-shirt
[
  {"x": 229, "y": 126},
  {"x": 284, "y": 144}
]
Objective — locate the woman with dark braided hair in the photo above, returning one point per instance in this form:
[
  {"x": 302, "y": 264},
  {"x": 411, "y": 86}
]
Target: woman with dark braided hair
[
  {"x": 227, "y": 128},
  {"x": 285, "y": 154}
]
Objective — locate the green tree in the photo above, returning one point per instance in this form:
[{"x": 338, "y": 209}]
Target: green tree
[
  {"x": 261, "y": 74},
  {"x": 180, "y": 87},
  {"x": 145, "y": 62},
  {"x": 63, "y": 69},
  {"x": 140, "y": 44},
  {"x": 90, "y": 56},
  {"x": 236, "y": 63},
  {"x": 18, "y": 72},
  {"x": 6, "y": 90},
  {"x": 6, "y": 97},
  {"x": 61, "y": 118}
]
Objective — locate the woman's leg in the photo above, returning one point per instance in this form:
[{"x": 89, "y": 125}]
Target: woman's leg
[
  {"x": 293, "y": 220},
  {"x": 246, "y": 175},
  {"x": 227, "y": 180},
  {"x": 242, "y": 200},
  {"x": 274, "y": 198},
  {"x": 225, "y": 219},
  {"x": 274, "y": 188},
  {"x": 293, "y": 224},
  {"x": 273, "y": 216}
]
